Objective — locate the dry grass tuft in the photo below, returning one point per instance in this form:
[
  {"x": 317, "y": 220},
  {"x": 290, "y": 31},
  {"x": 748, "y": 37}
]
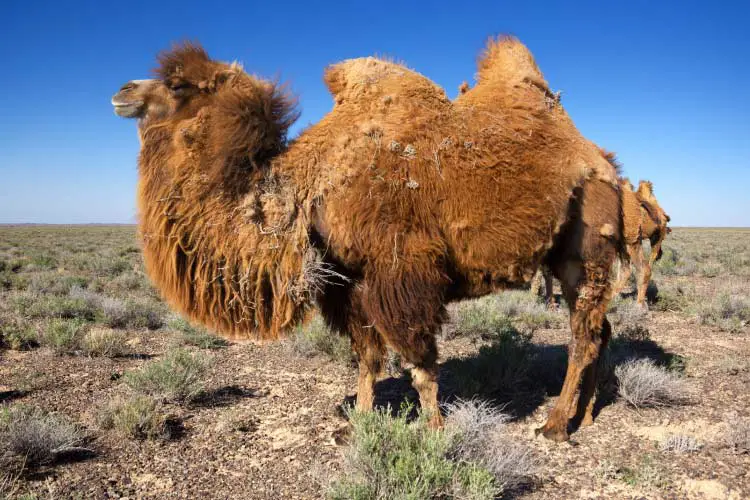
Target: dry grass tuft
[
  {"x": 37, "y": 438},
  {"x": 643, "y": 384},
  {"x": 478, "y": 434},
  {"x": 139, "y": 417},
  {"x": 106, "y": 342},
  {"x": 680, "y": 443},
  {"x": 737, "y": 435}
]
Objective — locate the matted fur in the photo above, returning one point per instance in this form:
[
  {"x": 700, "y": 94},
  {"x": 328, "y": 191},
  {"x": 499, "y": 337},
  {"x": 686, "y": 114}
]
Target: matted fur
[
  {"x": 419, "y": 199},
  {"x": 222, "y": 236}
]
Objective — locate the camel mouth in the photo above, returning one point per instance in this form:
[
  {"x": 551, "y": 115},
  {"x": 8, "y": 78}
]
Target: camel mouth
[{"x": 127, "y": 109}]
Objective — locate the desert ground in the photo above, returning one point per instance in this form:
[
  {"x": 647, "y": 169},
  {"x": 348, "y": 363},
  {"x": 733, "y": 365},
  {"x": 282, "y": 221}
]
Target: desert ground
[{"x": 105, "y": 393}]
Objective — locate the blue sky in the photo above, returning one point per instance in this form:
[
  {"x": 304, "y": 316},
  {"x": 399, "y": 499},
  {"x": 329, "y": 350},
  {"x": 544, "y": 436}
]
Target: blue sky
[{"x": 661, "y": 83}]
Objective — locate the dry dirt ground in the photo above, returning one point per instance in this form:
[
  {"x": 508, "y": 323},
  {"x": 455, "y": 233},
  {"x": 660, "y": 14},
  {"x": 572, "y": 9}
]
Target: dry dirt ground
[{"x": 263, "y": 426}]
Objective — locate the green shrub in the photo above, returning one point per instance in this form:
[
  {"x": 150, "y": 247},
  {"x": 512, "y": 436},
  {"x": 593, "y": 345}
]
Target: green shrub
[
  {"x": 63, "y": 335},
  {"x": 18, "y": 334},
  {"x": 57, "y": 307},
  {"x": 493, "y": 314},
  {"x": 195, "y": 335},
  {"x": 392, "y": 458},
  {"x": 499, "y": 369},
  {"x": 314, "y": 337},
  {"x": 178, "y": 377}
]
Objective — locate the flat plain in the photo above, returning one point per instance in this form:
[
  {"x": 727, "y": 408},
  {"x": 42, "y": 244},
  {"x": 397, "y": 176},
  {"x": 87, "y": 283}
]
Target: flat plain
[{"x": 130, "y": 400}]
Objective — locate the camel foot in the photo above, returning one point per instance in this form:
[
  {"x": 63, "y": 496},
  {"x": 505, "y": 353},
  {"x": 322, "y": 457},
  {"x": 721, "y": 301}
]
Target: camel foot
[
  {"x": 553, "y": 433},
  {"x": 435, "y": 421},
  {"x": 587, "y": 420}
]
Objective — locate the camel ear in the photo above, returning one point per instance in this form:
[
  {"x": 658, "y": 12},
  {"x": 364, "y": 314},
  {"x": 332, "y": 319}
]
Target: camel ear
[{"x": 222, "y": 77}]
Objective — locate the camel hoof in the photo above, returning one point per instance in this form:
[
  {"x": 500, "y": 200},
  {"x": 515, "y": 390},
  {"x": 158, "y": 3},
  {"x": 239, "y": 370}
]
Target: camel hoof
[
  {"x": 435, "y": 422},
  {"x": 587, "y": 421},
  {"x": 553, "y": 433}
]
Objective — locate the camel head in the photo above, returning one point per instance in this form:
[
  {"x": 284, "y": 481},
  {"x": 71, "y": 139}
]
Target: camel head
[
  {"x": 145, "y": 100},
  {"x": 244, "y": 119}
]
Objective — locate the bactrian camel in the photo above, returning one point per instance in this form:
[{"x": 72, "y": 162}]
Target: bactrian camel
[
  {"x": 395, "y": 203},
  {"x": 642, "y": 218}
]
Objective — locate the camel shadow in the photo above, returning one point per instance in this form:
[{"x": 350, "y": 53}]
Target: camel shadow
[
  {"x": 223, "y": 396},
  {"x": 8, "y": 396},
  {"x": 517, "y": 377}
]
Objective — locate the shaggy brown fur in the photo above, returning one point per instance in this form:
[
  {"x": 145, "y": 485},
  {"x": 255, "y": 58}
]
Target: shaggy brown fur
[
  {"x": 399, "y": 200},
  {"x": 643, "y": 218}
]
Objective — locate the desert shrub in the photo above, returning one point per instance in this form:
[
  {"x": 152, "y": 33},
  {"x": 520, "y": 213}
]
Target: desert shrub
[
  {"x": 392, "y": 458},
  {"x": 680, "y": 443},
  {"x": 499, "y": 369},
  {"x": 140, "y": 417},
  {"x": 668, "y": 263},
  {"x": 104, "y": 342},
  {"x": 196, "y": 335},
  {"x": 38, "y": 438},
  {"x": 647, "y": 472},
  {"x": 57, "y": 307},
  {"x": 127, "y": 281},
  {"x": 62, "y": 335},
  {"x": 672, "y": 298},
  {"x": 478, "y": 435},
  {"x": 143, "y": 314},
  {"x": 43, "y": 261},
  {"x": 491, "y": 315},
  {"x": 106, "y": 266},
  {"x": 737, "y": 435},
  {"x": 314, "y": 337},
  {"x": 18, "y": 334},
  {"x": 54, "y": 284},
  {"x": 12, "y": 281},
  {"x": 179, "y": 377},
  {"x": 728, "y": 311},
  {"x": 711, "y": 269},
  {"x": 629, "y": 318},
  {"x": 643, "y": 384},
  {"x": 114, "y": 313}
]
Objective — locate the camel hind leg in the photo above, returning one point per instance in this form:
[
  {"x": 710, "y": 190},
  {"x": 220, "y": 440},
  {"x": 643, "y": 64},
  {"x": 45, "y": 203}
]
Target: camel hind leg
[{"x": 582, "y": 261}]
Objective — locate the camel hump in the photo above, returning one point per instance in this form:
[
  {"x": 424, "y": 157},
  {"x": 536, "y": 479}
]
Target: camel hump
[
  {"x": 367, "y": 77},
  {"x": 506, "y": 59}
]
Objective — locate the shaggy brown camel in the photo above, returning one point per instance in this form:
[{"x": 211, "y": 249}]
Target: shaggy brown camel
[
  {"x": 643, "y": 218},
  {"x": 395, "y": 203}
]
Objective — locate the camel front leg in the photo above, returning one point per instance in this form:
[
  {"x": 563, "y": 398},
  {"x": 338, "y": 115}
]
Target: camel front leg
[
  {"x": 642, "y": 273},
  {"x": 371, "y": 353},
  {"x": 425, "y": 381},
  {"x": 548, "y": 288},
  {"x": 587, "y": 398}
]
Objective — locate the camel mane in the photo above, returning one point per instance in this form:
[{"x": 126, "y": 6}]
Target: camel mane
[{"x": 224, "y": 238}]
